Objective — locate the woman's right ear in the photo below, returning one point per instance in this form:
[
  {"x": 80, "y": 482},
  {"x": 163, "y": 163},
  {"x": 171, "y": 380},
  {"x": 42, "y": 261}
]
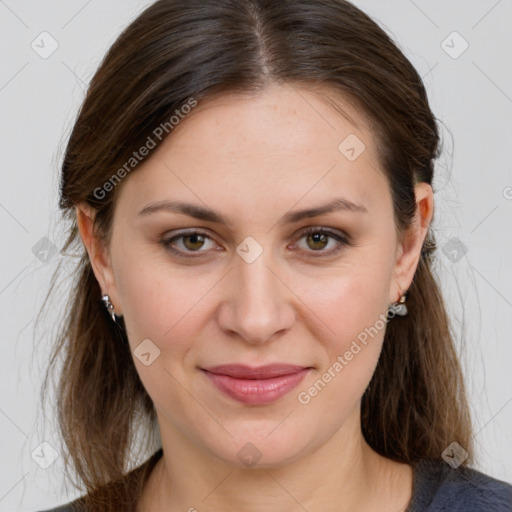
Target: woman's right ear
[{"x": 98, "y": 256}]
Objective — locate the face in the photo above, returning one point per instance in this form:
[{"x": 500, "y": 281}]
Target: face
[{"x": 257, "y": 285}]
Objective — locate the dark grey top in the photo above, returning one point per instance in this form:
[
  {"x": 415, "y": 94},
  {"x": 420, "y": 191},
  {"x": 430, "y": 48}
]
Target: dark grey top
[{"x": 440, "y": 488}]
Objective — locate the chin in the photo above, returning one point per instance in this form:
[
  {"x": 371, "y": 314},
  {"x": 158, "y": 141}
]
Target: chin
[{"x": 265, "y": 446}]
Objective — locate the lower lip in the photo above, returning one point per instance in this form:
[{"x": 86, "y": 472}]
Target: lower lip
[{"x": 257, "y": 391}]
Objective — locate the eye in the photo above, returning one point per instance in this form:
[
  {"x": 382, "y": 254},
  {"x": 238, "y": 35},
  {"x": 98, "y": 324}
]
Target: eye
[
  {"x": 317, "y": 239},
  {"x": 191, "y": 241}
]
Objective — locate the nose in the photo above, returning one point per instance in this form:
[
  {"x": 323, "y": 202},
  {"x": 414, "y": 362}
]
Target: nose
[{"x": 259, "y": 305}]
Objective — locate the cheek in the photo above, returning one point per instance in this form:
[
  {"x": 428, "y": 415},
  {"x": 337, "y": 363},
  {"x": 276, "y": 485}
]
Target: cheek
[
  {"x": 350, "y": 315},
  {"x": 165, "y": 309},
  {"x": 161, "y": 303},
  {"x": 354, "y": 310},
  {"x": 346, "y": 304}
]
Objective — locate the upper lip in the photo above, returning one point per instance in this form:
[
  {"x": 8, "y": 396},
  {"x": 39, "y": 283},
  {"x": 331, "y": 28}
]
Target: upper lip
[{"x": 242, "y": 371}]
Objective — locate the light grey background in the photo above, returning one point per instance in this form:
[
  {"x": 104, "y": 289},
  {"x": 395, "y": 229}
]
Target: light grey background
[{"x": 470, "y": 94}]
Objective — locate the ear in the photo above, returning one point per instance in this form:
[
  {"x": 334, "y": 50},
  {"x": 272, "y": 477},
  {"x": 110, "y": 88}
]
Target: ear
[
  {"x": 98, "y": 253},
  {"x": 409, "y": 251}
]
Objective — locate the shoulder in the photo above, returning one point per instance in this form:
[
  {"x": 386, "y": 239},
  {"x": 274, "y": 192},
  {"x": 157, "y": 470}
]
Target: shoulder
[
  {"x": 78, "y": 505},
  {"x": 438, "y": 486}
]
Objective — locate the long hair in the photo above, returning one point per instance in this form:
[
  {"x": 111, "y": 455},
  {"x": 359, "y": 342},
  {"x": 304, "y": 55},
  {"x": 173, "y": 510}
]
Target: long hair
[{"x": 178, "y": 50}]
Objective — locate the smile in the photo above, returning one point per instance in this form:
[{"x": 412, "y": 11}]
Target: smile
[{"x": 261, "y": 385}]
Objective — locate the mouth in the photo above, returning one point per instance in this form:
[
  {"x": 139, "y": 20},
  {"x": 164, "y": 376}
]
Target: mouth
[{"x": 256, "y": 385}]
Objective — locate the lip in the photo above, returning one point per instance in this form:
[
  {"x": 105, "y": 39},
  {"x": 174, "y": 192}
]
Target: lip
[{"x": 256, "y": 385}]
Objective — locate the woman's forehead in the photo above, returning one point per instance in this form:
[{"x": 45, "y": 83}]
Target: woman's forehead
[
  {"x": 270, "y": 149},
  {"x": 278, "y": 134}
]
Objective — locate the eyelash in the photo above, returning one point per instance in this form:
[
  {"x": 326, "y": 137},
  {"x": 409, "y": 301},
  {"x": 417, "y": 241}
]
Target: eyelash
[{"x": 343, "y": 241}]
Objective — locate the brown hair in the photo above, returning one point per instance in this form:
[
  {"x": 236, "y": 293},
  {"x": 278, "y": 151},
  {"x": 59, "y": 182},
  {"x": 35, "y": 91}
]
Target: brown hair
[{"x": 175, "y": 50}]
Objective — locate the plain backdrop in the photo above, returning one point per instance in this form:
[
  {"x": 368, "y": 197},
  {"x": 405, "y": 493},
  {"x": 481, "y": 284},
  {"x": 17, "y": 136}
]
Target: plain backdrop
[{"x": 462, "y": 50}]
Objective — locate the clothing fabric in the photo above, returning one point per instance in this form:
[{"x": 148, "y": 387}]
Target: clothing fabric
[{"x": 437, "y": 487}]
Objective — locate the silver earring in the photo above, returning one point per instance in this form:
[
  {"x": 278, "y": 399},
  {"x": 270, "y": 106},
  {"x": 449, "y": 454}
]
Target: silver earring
[
  {"x": 109, "y": 306},
  {"x": 399, "y": 307}
]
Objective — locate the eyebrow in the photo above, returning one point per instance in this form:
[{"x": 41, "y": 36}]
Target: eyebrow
[{"x": 206, "y": 214}]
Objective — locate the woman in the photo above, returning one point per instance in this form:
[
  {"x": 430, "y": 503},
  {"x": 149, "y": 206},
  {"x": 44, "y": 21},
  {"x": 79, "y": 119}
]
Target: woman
[{"x": 251, "y": 183}]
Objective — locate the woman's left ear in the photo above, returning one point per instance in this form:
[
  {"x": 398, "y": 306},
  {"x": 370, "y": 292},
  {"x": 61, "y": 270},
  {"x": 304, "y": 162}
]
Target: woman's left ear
[{"x": 409, "y": 251}]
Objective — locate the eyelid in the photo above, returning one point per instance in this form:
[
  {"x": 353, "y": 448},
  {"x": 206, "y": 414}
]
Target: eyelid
[{"x": 328, "y": 231}]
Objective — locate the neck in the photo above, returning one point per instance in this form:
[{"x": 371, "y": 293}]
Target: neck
[{"x": 349, "y": 473}]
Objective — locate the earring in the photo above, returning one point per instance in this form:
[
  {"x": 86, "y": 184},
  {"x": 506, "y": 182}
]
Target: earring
[
  {"x": 109, "y": 306},
  {"x": 399, "y": 307}
]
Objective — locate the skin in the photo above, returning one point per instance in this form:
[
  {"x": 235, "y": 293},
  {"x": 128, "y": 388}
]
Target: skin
[{"x": 253, "y": 159}]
